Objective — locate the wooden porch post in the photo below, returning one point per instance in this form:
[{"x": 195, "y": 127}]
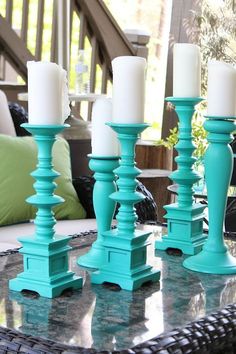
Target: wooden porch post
[
  {"x": 180, "y": 11},
  {"x": 63, "y": 23}
]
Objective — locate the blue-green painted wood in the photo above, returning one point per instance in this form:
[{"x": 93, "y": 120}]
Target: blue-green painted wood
[
  {"x": 45, "y": 255},
  {"x": 104, "y": 207},
  {"x": 215, "y": 258},
  {"x": 185, "y": 217},
  {"x": 125, "y": 247}
]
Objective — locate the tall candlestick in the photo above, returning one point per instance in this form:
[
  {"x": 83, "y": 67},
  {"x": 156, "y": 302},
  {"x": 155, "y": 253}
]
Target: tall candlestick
[
  {"x": 128, "y": 89},
  {"x": 221, "y": 89},
  {"x": 47, "y": 94},
  {"x": 185, "y": 217},
  {"x": 46, "y": 264},
  {"x": 104, "y": 140},
  {"x": 125, "y": 258},
  {"x": 186, "y": 70},
  {"x": 215, "y": 257}
]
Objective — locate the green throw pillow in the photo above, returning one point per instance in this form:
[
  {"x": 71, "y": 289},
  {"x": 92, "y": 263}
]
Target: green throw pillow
[{"x": 18, "y": 157}]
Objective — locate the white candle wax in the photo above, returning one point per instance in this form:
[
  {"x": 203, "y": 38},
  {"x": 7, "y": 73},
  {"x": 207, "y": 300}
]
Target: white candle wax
[
  {"x": 186, "y": 70},
  {"x": 128, "y": 89},
  {"x": 221, "y": 91},
  {"x": 47, "y": 93},
  {"x": 104, "y": 140}
]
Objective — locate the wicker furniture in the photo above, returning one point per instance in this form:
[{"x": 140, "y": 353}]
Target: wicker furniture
[{"x": 47, "y": 326}]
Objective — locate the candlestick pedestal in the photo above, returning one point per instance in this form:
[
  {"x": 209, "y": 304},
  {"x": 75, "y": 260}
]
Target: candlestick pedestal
[
  {"x": 104, "y": 206},
  {"x": 45, "y": 254},
  {"x": 215, "y": 257},
  {"x": 125, "y": 247},
  {"x": 184, "y": 218}
]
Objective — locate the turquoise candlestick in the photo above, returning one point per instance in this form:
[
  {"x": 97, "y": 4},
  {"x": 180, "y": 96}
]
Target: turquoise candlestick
[
  {"x": 215, "y": 257},
  {"x": 126, "y": 247},
  {"x": 184, "y": 218},
  {"x": 104, "y": 207},
  {"x": 45, "y": 254}
]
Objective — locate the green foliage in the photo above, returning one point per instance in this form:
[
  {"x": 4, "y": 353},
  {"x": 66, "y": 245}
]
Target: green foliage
[
  {"x": 171, "y": 140},
  {"x": 213, "y": 28},
  {"x": 199, "y": 136}
]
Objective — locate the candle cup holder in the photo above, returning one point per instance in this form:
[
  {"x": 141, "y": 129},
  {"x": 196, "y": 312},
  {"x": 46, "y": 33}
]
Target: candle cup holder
[
  {"x": 215, "y": 257},
  {"x": 184, "y": 218},
  {"x": 125, "y": 247},
  {"x": 104, "y": 206},
  {"x": 45, "y": 254}
]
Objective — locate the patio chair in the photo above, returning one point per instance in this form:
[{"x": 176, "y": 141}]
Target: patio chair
[{"x": 146, "y": 209}]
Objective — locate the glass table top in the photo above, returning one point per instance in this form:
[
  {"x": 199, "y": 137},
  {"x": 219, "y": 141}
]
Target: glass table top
[{"x": 107, "y": 318}]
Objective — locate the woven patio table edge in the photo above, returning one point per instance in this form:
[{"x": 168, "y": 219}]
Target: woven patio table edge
[{"x": 215, "y": 333}]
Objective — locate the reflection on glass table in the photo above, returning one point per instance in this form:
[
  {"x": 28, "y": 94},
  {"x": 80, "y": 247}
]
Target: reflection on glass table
[{"x": 106, "y": 318}]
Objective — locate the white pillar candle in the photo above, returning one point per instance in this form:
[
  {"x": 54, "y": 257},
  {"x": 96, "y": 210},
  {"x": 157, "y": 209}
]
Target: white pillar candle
[
  {"x": 128, "y": 89},
  {"x": 221, "y": 91},
  {"x": 104, "y": 140},
  {"x": 186, "y": 70},
  {"x": 47, "y": 93}
]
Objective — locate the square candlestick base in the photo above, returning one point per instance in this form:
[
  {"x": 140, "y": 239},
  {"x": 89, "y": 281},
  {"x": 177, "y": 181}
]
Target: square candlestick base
[
  {"x": 185, "y": 227},
  {"x": 45, "y": 267},
  {"x": 125, "y": 263}
]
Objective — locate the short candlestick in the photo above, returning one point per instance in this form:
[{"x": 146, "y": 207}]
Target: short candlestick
[
  {"x": 45, "y": 254},
  {"x": 184, "y": 218},
  {"x": 126, "y": 247},
  {"x": 104, "y": 207},
  {"x": 215, "y": 257}
]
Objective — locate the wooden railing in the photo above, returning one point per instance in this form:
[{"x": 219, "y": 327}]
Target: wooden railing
[
  {"x": 98, "y": 32},
  {"x": 92, "y": 28}
]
